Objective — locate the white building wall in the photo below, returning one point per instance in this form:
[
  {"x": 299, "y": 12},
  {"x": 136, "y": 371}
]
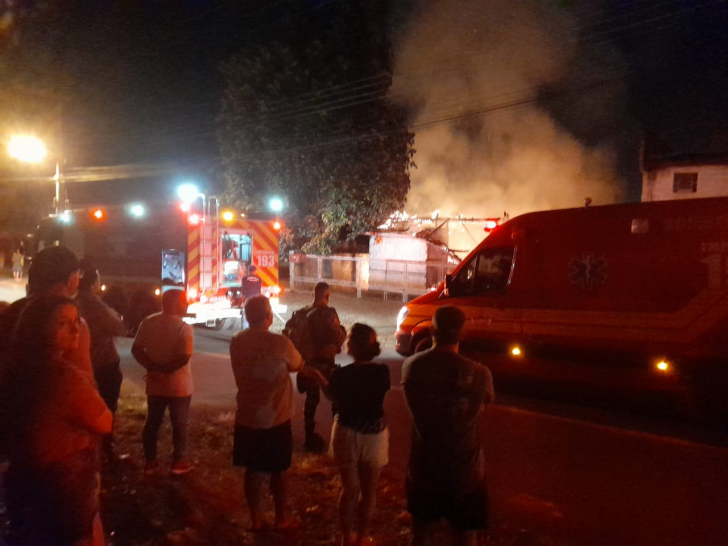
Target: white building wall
[{"x": 658, "y": 184}]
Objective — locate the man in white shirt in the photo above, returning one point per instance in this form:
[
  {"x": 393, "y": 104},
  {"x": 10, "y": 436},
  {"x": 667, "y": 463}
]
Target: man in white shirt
[{"x": 163, "y": 345}]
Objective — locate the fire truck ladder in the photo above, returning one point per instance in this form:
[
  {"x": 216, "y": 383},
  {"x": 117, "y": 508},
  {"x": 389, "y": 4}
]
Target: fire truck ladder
[{"x": 209, "y": 239}]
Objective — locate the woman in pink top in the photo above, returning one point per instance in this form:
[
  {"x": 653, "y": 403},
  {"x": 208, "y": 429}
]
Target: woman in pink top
[{"x": 53, "y": 419}]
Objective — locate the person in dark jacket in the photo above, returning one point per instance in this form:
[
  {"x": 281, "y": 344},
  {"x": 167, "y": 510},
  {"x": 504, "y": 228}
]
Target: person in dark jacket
[
  {"x": 105, "y": 325},
  {"x": 327, "y": 336}
]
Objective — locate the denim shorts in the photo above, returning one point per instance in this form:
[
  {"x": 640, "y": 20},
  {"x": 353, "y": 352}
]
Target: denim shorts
[{"x": 349, "y": 447}]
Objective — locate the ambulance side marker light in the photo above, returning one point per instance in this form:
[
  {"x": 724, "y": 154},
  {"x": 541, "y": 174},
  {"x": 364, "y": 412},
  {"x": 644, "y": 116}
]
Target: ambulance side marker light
[
  {"x": 516, "y": 351},
  {"x": 157, "y": 292}
]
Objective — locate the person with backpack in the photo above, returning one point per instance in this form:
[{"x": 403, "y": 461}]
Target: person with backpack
[{"x": 318, "y": 335}]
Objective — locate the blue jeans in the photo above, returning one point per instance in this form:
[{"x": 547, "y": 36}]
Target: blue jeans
[{"x": 179, "y": 412}]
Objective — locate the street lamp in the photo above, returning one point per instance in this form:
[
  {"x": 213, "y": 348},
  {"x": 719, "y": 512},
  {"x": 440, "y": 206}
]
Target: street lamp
[
  {"x": 31, "y": 149},
  {"x": 27, "y": 148}
]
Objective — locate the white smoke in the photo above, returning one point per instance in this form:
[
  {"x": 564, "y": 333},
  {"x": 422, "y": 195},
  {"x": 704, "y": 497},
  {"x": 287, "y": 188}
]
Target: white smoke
[{"x": 490, "y": 59}]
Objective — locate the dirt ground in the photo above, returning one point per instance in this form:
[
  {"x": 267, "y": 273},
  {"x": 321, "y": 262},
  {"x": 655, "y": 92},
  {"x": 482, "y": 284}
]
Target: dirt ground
[{"x": 207, "y": 506}]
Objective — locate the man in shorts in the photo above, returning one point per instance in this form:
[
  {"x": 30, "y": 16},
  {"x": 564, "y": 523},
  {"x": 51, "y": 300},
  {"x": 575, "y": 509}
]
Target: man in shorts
[
  {"x": 262, "y": 362},
  {"x": 445, "y": 393}
]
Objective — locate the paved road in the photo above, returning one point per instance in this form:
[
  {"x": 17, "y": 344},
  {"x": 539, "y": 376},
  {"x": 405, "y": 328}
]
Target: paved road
[
  {"x": 10, "y": 289},
  {"x": 584, "y": 477}
]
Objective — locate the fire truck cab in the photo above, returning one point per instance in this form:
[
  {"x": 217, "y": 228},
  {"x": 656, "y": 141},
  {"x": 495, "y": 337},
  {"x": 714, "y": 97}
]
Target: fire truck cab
[
  {"x": 629, "y": 297},
  {"x": 140, "y": 256}
]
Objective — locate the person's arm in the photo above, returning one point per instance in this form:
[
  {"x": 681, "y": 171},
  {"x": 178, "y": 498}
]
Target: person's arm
[
  {"x": 296, "y": 364},
  {"x": 335, "y": 333},
  {"x": 313, "y": 373},
  {"x": 81, "y": 355},
  {"x": 86, "y": 407},
  {"x": 489, "y": 391},
  {"x": 110, "y": 321},
  {"x": 141, "y": 356}
]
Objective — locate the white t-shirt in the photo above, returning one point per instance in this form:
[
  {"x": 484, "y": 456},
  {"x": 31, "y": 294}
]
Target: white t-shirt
[
  {"x": 261, "y": 364},
  {"x": 164, "y": 337}
]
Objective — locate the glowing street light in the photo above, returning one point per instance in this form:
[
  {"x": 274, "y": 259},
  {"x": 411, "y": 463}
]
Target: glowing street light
[
  {"x": 27, "y": 148},
  {"x": 276, "y": 204},
  {"x": 137, "y": 210},
  {"x": 188, "y": 193},
  {"x": 30, "y": 149}
]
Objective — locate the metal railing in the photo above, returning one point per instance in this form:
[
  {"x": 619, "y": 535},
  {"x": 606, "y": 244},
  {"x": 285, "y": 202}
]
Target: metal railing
[{"x": 367, "y": 275}]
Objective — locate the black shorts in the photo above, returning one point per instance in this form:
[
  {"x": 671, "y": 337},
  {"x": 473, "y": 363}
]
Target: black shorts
[
  {"x": 263, "y": 450},
  {"x": 467, "y": 512}
]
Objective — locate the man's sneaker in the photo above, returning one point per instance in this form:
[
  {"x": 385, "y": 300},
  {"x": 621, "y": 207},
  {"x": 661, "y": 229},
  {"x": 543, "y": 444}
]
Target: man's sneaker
[
  {"x": 315, "y": 443},
  {"x": 151, "y": 468},
  {"x": 180, "y": 467}
]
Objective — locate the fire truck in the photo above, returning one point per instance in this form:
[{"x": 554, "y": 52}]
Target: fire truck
[
  {"x": 142, "y": 252},
  {"x": 629, "y": 299}
]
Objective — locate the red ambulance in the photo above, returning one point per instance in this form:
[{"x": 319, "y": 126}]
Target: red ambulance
[{"x": 619, "y": 298}]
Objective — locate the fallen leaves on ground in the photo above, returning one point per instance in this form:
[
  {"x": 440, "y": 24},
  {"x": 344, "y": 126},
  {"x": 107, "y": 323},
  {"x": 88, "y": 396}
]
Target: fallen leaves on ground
[{"x": 207, "y": 506}]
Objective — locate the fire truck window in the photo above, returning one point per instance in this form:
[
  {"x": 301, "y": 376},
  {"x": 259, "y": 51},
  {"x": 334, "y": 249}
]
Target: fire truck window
[{"x": 493, "y": 270}]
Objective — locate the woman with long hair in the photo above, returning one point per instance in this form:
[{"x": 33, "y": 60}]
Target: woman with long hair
[
  {"x": 52, "y": 420},
  {"x": 359, "y": 437}
]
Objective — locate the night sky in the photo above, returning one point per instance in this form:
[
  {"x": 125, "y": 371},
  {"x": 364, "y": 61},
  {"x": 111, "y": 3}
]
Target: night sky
[{"x": 141, "y": 80}]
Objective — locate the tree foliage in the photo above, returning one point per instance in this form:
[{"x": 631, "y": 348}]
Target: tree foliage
[{"x": 306, "y": 116}]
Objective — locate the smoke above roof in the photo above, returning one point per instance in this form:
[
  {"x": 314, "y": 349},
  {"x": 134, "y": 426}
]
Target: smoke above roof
[{"x": 516, "y": 107}]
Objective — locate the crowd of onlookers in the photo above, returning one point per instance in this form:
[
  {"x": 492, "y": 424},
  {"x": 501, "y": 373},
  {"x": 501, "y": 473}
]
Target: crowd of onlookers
[{"x": 60, "y": 382}]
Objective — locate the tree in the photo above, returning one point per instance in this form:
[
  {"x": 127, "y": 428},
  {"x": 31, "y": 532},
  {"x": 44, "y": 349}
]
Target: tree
[{"x": 306, "y": 115}]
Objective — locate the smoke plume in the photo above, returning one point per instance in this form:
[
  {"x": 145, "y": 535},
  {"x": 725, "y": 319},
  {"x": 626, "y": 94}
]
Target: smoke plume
[{"x": 506, "y": 96}]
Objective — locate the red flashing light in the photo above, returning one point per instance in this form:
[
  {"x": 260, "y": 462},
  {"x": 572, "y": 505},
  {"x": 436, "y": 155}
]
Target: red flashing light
[
  {"x": 98, "y": 214},
  {"x": 277, "y": 226},
  {"x": 185, "y": 207},
  {"x": 491, "y": 224},
  {"x": 194, "y": 219}
]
